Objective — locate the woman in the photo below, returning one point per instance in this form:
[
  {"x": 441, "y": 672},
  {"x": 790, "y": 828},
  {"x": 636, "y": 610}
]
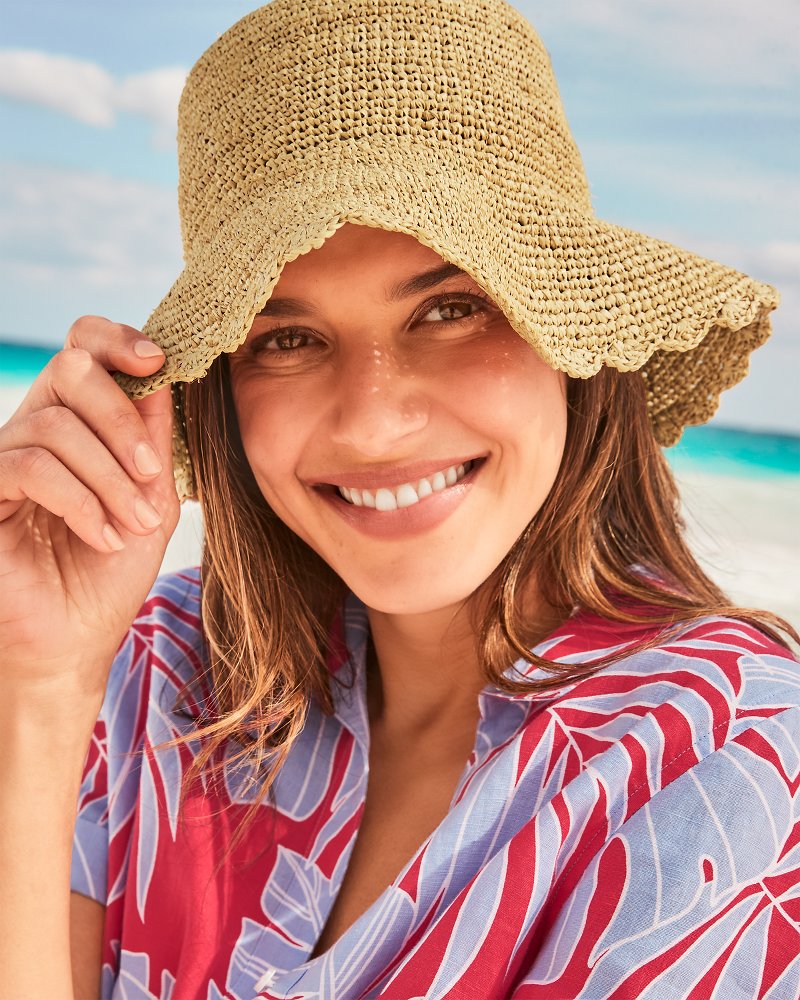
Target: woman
[{"x": 450, "y": 709}]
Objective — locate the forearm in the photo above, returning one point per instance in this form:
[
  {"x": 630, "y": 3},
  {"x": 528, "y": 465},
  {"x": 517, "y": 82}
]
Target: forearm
[{"x": 41, "y": 762}]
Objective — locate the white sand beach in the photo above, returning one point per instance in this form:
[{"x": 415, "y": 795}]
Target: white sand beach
[
  {"x": 746, "y": 534},
  {"x": 745, "y": 531}
]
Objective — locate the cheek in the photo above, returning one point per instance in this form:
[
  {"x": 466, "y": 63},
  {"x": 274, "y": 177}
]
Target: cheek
[
  {"x": 272, "y": 426},
  {"x": 517, "y": 399}
]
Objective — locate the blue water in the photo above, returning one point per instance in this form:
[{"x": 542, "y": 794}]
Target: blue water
[
  {"x": 19, "y": 363},
  {"x": 735, "y": 452},
  {"x": 721, "y": 450}
]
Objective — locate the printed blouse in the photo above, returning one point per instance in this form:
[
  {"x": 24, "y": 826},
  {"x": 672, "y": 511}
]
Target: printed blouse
[{"x": 635, "y": 833}]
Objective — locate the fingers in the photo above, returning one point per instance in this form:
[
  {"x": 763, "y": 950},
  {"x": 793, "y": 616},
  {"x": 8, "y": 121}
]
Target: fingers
[
  {"x": 75, "y": 381},
  {"x": 35, "y": 474},
  {"x": 156, "y": 414},
  {"x": 80, "y": 448},
  {"x": 115, "y": 346},
  {"x": 80, "y": 456}
]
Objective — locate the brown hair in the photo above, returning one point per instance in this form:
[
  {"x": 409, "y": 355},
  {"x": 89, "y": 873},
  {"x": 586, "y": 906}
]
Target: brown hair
[{"x": 609, "y": 539}]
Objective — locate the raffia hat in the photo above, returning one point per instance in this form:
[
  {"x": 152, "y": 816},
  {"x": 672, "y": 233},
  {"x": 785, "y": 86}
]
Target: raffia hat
[{"x": 441, "y": 119}]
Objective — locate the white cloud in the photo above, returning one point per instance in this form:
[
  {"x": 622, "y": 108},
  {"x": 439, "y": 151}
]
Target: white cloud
[
  {"x": 73, "y": 86},
  {"x": 154, "y": 95},
  {"x": 87, "y": 92},
  {"x": 741, "y": 196},
  {"x": 726, "y": 42},
  {"x": 74, "y": 242},
  {"x": 783, "y": 257}
]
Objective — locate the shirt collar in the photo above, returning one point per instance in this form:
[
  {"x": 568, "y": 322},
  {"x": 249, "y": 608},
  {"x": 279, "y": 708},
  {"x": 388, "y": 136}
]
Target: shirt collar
[
  {"x": 347, "y": 663},
  {"x": 581, "y": 637}
]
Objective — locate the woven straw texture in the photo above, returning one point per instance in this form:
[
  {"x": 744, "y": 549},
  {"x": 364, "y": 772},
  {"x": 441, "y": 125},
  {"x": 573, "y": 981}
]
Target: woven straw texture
[{"x": 440, "y": 119}]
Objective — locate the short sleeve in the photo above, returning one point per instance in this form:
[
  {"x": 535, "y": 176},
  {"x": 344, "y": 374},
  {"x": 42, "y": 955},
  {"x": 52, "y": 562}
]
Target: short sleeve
[{"x": 698, "y": 894}]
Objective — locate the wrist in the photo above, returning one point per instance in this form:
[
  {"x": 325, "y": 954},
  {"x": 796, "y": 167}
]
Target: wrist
[{"x": 57, "y": 718}]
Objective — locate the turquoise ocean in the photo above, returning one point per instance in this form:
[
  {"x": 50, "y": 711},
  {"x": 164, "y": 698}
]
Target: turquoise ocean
[{"x": 711, "y": 449}]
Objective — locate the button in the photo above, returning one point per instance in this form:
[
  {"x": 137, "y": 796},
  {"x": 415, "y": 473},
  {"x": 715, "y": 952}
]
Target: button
[{"x": 267, "y": 979}]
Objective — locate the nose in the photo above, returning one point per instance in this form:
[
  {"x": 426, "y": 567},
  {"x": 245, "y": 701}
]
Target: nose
[{"x": 379, "y": 403}]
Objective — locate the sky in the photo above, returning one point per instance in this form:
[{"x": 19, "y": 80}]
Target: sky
[{"x": 686, "y": 113}]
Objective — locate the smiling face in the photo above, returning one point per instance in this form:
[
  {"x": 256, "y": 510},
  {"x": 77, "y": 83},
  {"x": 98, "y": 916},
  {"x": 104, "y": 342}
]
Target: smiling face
[{"x": 407, "y": 434}]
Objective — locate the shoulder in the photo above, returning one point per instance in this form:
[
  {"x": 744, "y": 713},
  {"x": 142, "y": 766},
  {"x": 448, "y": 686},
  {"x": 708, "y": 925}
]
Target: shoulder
[
  {"x": 169, "y": 621},
  {"x": 162, "y": 652},
  {"x": 172, "y": 606},
  {"x": 682, "y": 816},
  {"x": 727, "y": 663},
  {"x": 645, "y": 720},
  {"x": 715, "y": 705}
]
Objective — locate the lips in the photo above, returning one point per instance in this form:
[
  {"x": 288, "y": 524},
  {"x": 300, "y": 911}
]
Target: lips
[
  {"x": 391, "y": 477},
  {"x": 407, "y": 494},
  {"x": 403, "y": 522}
]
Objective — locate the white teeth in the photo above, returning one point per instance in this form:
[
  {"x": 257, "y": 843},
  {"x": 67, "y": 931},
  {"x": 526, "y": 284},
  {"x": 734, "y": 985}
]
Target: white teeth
[
  {"x": 424, "y": 488},
  {"x": 407, "y": 494},
  {"x": 384, "y": 500}
]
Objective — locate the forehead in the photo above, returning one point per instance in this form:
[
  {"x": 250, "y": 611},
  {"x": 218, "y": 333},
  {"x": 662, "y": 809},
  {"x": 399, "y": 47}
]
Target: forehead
[{"x": 363, "y": 251}]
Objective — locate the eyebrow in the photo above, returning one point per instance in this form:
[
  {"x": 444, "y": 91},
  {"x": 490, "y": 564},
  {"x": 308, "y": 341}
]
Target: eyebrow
[{"x": 402, "y": 290}]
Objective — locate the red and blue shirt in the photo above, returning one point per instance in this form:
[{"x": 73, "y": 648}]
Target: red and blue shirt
[{"x": 634, "y": 834}]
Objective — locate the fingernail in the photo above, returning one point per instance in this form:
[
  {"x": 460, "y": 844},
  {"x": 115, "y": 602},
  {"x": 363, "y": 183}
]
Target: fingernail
[
  {"x": 146, "y": 349},
  {"x": 112, "y": 538},
  {"x": 146, "y": 460},
  {"x": 146, "y": 514}
]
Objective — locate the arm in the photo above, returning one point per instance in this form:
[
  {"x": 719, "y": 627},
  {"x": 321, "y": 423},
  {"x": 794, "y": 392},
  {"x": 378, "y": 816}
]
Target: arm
[
  {"x": 86, "y": 919},
  {"x": 42, "y": 766},
  {"x": 83, "y": 528}
]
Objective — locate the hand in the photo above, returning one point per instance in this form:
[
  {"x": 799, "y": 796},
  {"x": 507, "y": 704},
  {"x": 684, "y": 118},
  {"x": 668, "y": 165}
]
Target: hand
[{"x": 87, "y": 506}]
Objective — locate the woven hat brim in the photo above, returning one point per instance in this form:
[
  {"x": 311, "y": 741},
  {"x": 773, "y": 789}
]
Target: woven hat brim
[{"x": 581, "y": 291}]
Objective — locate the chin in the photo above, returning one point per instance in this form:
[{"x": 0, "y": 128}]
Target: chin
[{"x": 414, "y": 598}]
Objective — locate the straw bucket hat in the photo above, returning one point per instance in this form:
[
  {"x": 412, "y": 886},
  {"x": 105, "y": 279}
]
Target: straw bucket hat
[{"x": 441, "y": 119}]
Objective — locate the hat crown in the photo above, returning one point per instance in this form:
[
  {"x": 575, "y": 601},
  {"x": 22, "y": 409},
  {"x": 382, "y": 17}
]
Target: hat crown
[{"x": 302, "y": 87}]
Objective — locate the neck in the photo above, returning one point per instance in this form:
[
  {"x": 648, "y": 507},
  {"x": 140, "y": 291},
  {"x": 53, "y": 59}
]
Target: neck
[{"x": 426, "y": 668}]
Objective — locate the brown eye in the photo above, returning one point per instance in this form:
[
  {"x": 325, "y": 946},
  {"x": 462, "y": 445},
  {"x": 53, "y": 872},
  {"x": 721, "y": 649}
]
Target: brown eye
[
  {"x": 288, "y": 341},
  {"x": 281, "y": 342},
  {"x": 457, "y": 307},
  {"x": 453, "y": 308}
]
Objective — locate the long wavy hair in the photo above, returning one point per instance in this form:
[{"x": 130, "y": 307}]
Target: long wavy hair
[{"x": 608, "y": 539}]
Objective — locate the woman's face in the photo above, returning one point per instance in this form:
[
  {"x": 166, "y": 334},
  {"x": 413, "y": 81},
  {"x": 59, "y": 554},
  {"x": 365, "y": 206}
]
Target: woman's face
[{"x": 348, "y": 379}]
